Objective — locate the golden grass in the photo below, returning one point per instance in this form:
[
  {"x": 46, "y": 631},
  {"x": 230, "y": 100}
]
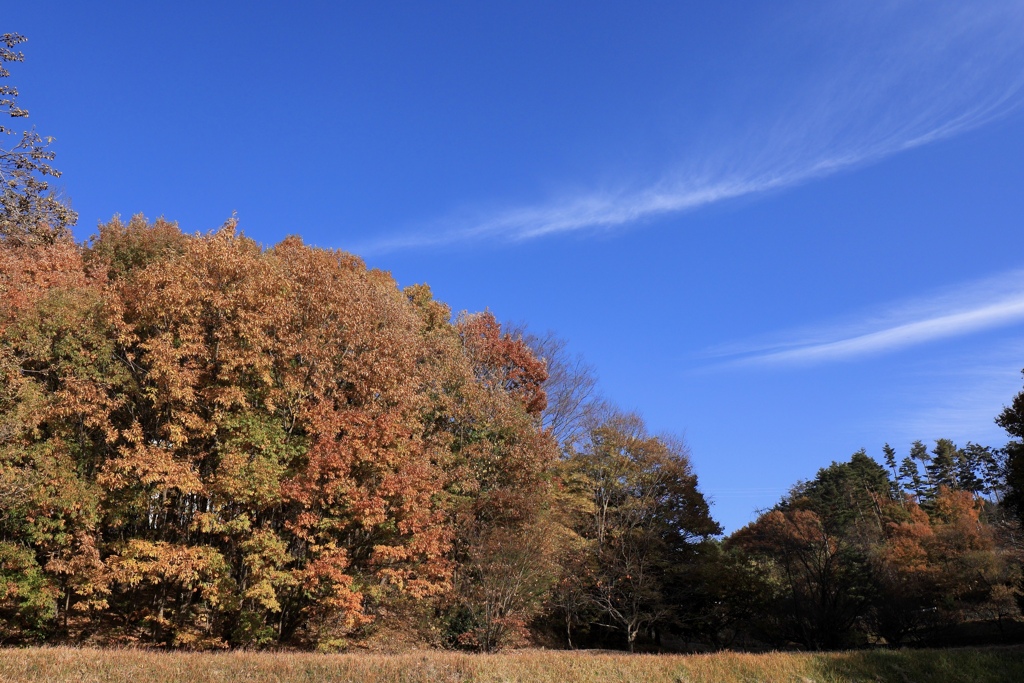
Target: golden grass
[{"x": 60, "y": 665}]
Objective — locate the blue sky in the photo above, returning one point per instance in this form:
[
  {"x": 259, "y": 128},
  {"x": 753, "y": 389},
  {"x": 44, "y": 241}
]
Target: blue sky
[{"x": 785, "y": 230}]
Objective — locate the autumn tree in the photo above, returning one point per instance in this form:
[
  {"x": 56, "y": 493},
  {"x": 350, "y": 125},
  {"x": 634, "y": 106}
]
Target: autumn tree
[
  {"x": 274, "y": 419},
  {"x": 483, "y": 414},
  {"x": 502, "y": 583},
  {"x": 941, "y": 568},
  {"x": 207, "y": 443},
  {"x": 855, "y": 555},
  {"x": 644, "y": 520},
  {"x": 821, "y": 576},
  {"x": 30, "y": 211},
  {"x": 504, "y": 362}
]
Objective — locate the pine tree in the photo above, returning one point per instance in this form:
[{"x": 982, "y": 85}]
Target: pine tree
[
  {"x": 942, "y": 468},
  {"x": 890, "y": 460},
  {"x": 912, "y": 476},
  {"x": 970, "y": 464}
]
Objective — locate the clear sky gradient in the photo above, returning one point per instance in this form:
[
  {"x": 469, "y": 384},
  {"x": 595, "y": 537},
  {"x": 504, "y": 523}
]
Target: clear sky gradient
[{"x": 785, "y": 230}]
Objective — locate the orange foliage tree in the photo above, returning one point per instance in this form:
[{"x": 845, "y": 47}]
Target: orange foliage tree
[
  {"x": 853, "y": 557},
  {"x": 207, "y": 443}
]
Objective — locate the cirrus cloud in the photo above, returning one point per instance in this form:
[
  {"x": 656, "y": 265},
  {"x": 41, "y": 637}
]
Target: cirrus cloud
[{"x": 879, "y": 81}]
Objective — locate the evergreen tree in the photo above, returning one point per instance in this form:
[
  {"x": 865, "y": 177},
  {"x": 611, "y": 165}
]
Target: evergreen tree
[
  {"x": 890, "y": 460},
  {"x": 1012, "y": 420},
  {"x": 910, "y": 477},
  {"x": 942, "y": 469},
  {"x": 970, "y": 468}
]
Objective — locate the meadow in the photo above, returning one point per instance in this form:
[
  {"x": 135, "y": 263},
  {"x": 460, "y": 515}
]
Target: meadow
[{"x": 60, "y": 664}]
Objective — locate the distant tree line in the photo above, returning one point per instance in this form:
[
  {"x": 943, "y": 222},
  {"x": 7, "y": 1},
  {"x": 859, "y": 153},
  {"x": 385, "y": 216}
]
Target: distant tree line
[
  {"x": 207, "y": 443},
  {"x": 862, "y": 554}
]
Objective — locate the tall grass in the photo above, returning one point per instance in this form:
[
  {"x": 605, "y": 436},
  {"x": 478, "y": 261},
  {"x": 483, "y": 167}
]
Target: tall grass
[{"x": 59, "y": 665}]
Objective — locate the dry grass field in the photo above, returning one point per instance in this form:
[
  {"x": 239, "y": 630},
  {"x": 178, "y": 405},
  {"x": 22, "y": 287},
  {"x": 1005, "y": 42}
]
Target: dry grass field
[{"x": 60, "y": 665}]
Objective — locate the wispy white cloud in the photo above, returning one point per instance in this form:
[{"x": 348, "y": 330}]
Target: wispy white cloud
[
  {"x": 904, "y": 75},
  {"x": 987, "y": 304}
]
